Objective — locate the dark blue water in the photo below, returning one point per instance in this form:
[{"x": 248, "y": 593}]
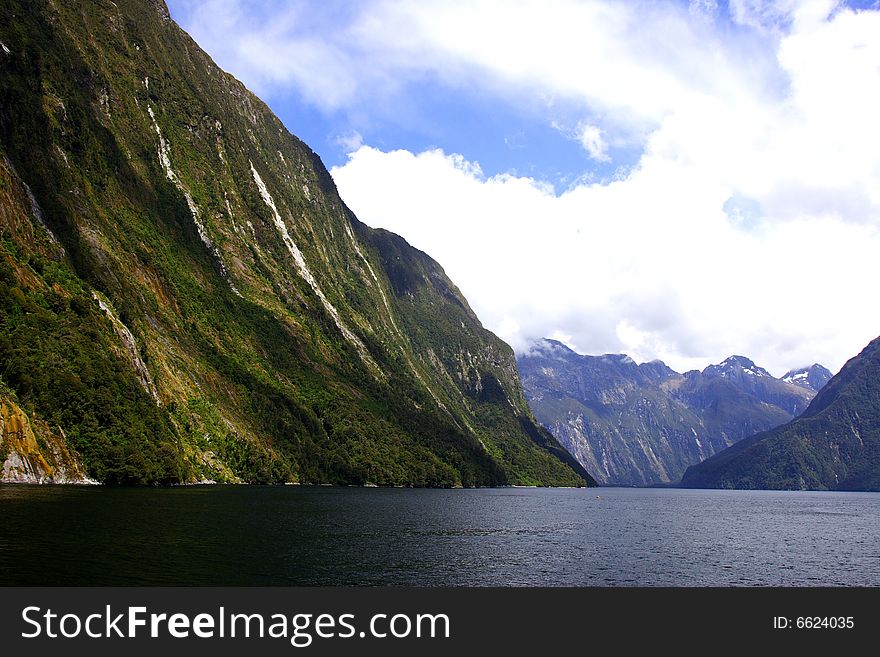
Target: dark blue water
[{"x": 491, "y": 537}]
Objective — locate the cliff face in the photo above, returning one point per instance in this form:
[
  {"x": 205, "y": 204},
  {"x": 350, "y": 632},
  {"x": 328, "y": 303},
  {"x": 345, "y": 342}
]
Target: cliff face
[
  {"x": 643, "y": 424},
  {"x": 31, "y": 453},
  {"x": 833, "y": 445},
  {"x": 185, "y": 295}
]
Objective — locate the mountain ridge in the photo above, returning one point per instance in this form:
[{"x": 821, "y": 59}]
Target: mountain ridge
[
  {"x": 644, "y": 424},
  {"x": 833, "y": 445},
  {"x": 186, "y": 297},
  {"x": 814, "y": 376}
]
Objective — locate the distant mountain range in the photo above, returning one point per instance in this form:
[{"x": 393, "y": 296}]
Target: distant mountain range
[
  {"x": 833, "y": 445},
  {"x": 644, "y": 424}
]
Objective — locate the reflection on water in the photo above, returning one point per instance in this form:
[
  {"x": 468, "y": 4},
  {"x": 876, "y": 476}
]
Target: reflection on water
[{"x": 228, "y": 535}]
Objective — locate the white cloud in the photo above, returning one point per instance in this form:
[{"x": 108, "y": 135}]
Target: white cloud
[
  {"x": 649, "y": 265},
  {"x": 351, "y": 141},
  {"x": 590, "y": 137},
  {"x": 638, "y": 60},
  {"x": 749, "y": 225},
  {"x": 703, "y": 9}
]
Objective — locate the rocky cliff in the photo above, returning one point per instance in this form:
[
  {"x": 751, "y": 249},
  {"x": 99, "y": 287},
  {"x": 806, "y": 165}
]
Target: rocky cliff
[
  {"x": 642, "y": 424},
  {"x": 833, "y": 445},
  {"x": 31, "y": 453},
  {"x": 185, "y": 296}
]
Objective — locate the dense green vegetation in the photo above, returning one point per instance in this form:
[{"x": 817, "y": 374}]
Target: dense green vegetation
[
  {"x": 251, "y": 377},
  {"x": 55, "y": 355},
  {"x": 833, "y": 445}
]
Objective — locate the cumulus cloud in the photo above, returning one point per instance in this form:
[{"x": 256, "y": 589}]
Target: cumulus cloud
[
  {"x": 590, "y": 137},
  {"x": 351, "y": 140},
  {"x": 649, "y": 265},
  {"x": 637, "y": 59},
  {"x": 748, "y": 225}
]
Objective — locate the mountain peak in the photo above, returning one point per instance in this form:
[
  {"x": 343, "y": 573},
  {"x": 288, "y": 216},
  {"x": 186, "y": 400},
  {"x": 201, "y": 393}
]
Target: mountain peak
[
  {"x": 550, "y": 348},
  {"x": 740, "y": 361},
  {"x": 621, "y": 359},
  {"x": 813, "y": 377},
  {"x": 657, "y": 370},
  {"x": 645, "y": 424},
  {"x": 833, "y": 445},
  {"x": 736, "y": 365}
]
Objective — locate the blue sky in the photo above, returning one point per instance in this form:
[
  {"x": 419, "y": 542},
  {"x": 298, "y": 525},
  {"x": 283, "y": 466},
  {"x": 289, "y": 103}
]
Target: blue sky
[
  {"x": 531, "y": 136},
  {"x": 501, "y": 137},
  {"x": 675, "y": 180}
]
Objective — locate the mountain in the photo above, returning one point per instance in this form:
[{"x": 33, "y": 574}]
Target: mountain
[
  {"x": 737, "y": 378},
  {"x": 833, "y": 445},
  {"x": 814, "y": 377},
  {"x": 184, "y": 296},
  {"x": 643, "y": 424}
]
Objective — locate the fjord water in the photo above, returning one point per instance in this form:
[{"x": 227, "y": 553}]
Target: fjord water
[{"x": 251, "y": 535}]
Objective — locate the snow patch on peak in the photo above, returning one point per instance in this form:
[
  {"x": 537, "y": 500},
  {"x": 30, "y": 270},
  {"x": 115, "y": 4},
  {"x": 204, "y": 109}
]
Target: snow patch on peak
[
  {"x": 738, "y": 363},
  {"x": 742, "y": 361},
  {"x": 814, "y": 377}
]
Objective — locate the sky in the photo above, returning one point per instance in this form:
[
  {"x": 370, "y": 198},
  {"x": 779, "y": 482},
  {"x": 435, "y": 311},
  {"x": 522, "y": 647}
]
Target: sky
[{"x": 668, "y": 179}]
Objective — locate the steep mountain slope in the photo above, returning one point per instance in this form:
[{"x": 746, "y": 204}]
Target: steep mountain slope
[
  {"x": 814, "y": 377},
  {"x": 185, "y": 297},
  {"x": 833, "y": 445},
  {"x": 645, "y": 424},
  {"x": 30, "y": 452}
]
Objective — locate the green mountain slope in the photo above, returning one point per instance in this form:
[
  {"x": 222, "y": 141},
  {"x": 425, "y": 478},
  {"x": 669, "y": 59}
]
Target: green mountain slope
[
  {"x": 185, "y": 297},
  {"x": 833, "y": 445}
]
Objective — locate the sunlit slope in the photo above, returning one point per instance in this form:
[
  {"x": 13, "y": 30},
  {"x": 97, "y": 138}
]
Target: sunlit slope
[{"x": 185, "y": 297}]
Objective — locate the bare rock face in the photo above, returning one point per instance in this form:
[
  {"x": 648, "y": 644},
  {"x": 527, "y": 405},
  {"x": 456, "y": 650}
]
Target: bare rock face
[
  {"x": 833, "y": 445},
  {"x": 644, "y": 424},
  {"x": 185, "y": 296},
  {"x": 814, "y": 377},
  {"x": 32, "y": 453}
]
